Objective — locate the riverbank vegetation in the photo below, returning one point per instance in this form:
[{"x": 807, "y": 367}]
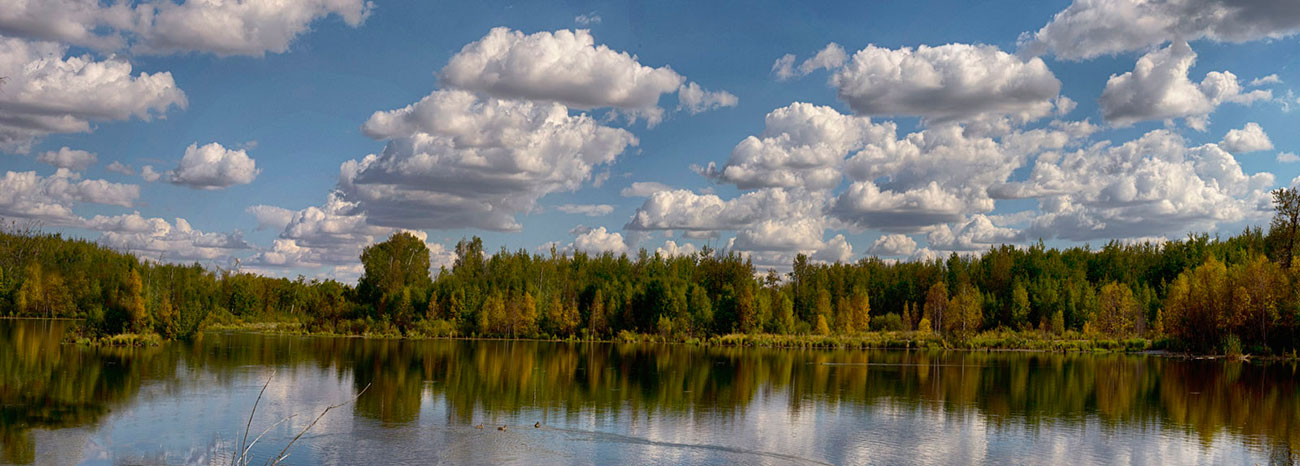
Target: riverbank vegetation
[{"x": 1199, "y": 294}]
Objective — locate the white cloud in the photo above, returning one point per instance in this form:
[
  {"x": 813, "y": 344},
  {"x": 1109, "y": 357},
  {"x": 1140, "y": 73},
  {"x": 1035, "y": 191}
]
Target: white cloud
[
  {"x": 332, "y": 234},
  {"x": 1090, "y": 28},
  {"x": 1250, "y": 138},
  {"x": 65, "y": 157},
  {"x": 979, "y": 233},
  {"x": 672, "y": 249},
  {"x": 799, "y": 234},
  {"x": 562, "y": 66},
  {"x": 829, "y": 58},
  {"x": 685, "y": 210},
  {"x": 454, "y": 160},
  {"x": 46, "y": 92},
  {"x": 587, "y": 19},
  {"x": 154, "y": 237},
  {"x": 893, "y": 245},
  {"x": 1266, "y": 80},
  {"x": 238, "y": 28},
  {"x": 1158, "y": 89},
  {"x": 644, "y": 189},
  {"x": 694, "y": 99},
  {"x": 213, "y": 167},
  {"x": 802, "y": 145},
  {"x": 590, "y": 210},
  {"x": 836, "y": 250},
  {"x": 271, "y": 217},
  {"x": 939, "y": 175},
  {"x": 121, "y": 168},
  {"x": 867, "y": 206},
  {"x": 598, "y": 241},
  {"x": 163, "y": 26},
  {"x": 1154, "y": 185},
  {"x": 51, "y": 199},
  {"x": 953, "y": 82},
  {"x": 1287, "y": 157},
  {"x": 149, "y": 175}
]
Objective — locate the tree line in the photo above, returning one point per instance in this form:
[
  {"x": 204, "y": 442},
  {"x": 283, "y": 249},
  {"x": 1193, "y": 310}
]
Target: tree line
[{"x": 1201, "y": 293}]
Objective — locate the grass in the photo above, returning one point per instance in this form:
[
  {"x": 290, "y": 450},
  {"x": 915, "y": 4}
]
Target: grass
[
  {"x": 132, "y": 340},
  {"x": 989, "y": 340}
]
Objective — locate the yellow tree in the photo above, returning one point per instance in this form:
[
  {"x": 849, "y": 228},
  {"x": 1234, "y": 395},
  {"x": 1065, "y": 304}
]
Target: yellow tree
[
  {"x": 133, "y": 302},
  {"x": 1117, "y": 312},
  {"x": 936, "y": 304},
  {"x": 965, "y": 311}
]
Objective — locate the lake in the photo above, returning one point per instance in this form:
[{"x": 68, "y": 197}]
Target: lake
[{"x": 627, "y": 404}]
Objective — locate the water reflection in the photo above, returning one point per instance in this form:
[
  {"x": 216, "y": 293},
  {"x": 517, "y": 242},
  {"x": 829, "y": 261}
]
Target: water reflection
[{"x": 644, "y": 396}]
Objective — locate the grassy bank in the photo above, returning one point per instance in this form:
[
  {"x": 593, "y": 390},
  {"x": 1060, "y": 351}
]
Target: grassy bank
[
  {"x": 131, "y": 340},
  {"x": 989, "y": 340}
]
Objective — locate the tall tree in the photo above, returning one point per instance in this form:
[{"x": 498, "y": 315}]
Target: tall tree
[
  {"x": 1285, "y": 227},
  {"x": 399, "y": 264}
]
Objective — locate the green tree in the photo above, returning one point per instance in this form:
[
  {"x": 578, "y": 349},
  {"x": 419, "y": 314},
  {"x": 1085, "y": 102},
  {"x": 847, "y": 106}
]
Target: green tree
[
  {"x": 1285, "y": 228},
  {"x": 395, "y": 265}
]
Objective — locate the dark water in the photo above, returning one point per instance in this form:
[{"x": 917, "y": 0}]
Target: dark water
[{"x": 628, "y": 404}]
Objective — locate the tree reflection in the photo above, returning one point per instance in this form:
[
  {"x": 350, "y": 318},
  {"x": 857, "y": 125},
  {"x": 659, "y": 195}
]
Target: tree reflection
[{"x": 48, "y": 385}]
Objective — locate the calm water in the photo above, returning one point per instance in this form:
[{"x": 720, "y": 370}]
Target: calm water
[{"x": 629, "y": 404}]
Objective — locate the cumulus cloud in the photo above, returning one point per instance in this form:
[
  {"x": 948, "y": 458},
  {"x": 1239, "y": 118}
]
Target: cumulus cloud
[
  {"x": 1266, "y": 80},
  {"x": 564, "y": 66},
  {"x": 271, "y": 217},
  {"x": 1250, "y": 138},
  {"x": 149, "y": 175},
  {"x": 568, "y": 67},
  {"x": 953, "y": 82},
  {"x": 672, "y": 249},
  {"x": 799, "y": 234},
  {"x": 643, "y": 189},
  {"x": 978, "y": 233},
  {"x": 802, "y": 145},
  {"x": 1149, "y": 186},
  {"x": 685, "y": 210},
  {"x": 212, "y": 166},
  {"x": 893, "y": 245},
  {"x": 332, "y": 234},
  {"x": 598, "y": 241},
  {"x": 156, "y": 238},
  {"x": 1158, "y": 88},
  {"x": 47, "y": 92},
  {"x": 938, "y": 175},
  {"x": 1090, "y": 28},
  {"x": 695, "y": 99},
  {"x": 120, "y": 168},
  {"x": 454, "y": 160},
  {"x": 1287, "y": 157},
  {"x": 830, "y": 58},
  {"x": 65, "y": 157},
  {"x": 163, "y": 26},
  {"x": 51, "y": 198},
  {"x": 590, "y": 210}
]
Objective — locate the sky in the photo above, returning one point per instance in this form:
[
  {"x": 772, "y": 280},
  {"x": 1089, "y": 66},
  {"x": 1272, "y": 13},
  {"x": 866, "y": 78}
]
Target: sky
[{"x": 283, "y": 137}]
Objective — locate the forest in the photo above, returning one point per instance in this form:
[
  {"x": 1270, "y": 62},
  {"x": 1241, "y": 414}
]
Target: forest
[{"x": 1200, "y": 294}]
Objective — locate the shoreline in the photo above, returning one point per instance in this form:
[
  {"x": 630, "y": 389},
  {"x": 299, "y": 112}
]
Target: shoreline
[{"x": 989, "y": 341}]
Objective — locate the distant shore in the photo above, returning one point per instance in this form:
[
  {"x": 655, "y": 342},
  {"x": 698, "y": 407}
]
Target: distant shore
[{"x": 993, "y": 340}]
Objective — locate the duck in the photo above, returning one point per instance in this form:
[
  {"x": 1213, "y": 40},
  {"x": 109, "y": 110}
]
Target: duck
[
  {"x": 502, "y": 428},
  {"x": 480, "y": 426},
  {"x": 538, "y": 425}
]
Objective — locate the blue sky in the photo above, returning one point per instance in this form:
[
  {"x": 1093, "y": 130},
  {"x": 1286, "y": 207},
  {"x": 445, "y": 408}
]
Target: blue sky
[{"x": 923, "y": 128}]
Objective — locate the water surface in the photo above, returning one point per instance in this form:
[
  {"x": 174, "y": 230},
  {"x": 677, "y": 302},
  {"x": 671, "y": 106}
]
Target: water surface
[{"x": 628, "y": 404}]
